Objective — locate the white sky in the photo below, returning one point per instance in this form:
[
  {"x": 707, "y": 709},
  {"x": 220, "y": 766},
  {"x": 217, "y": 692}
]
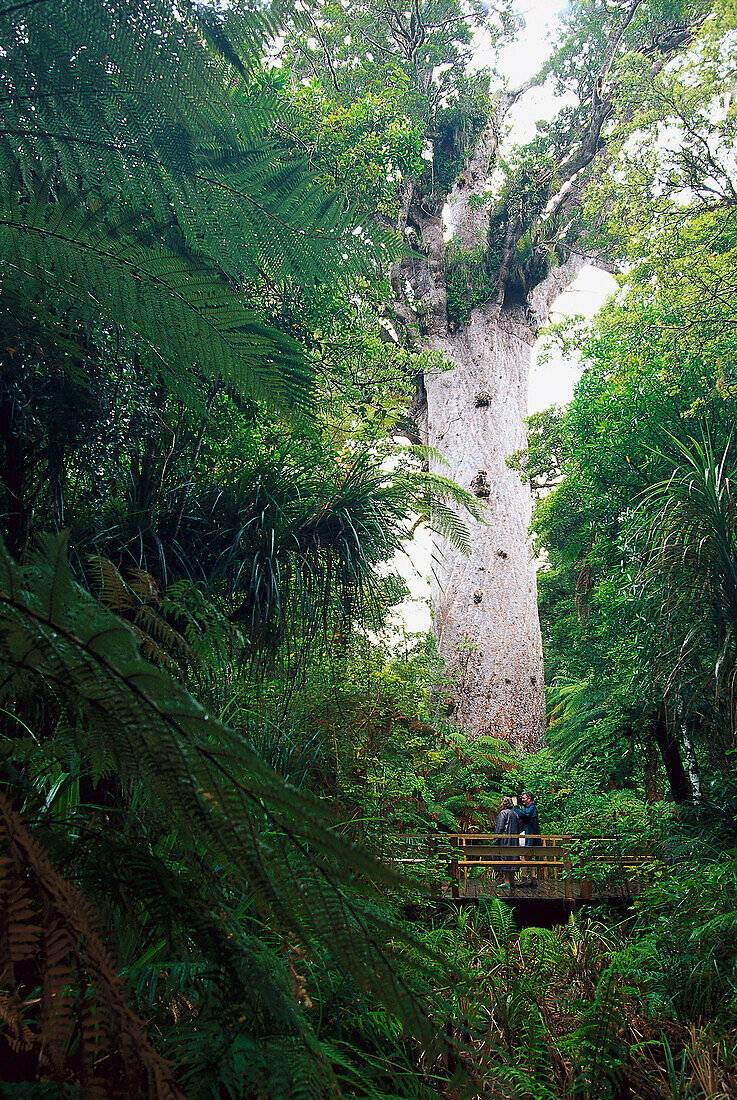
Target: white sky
[
  {"x": 527, "y": 54},
  {"x": 554, "y": 381}
]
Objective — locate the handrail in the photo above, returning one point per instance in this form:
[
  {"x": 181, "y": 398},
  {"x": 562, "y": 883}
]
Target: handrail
[
  {"x": 449, "y": 858},
  {"x": 521, "y": 836}
]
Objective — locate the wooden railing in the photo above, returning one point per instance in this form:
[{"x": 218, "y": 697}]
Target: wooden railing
[{"x": 563, "y": 866}]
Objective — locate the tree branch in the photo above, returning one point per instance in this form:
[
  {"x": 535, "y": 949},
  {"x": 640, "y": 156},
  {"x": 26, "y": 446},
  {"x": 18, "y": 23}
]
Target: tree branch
[{"x": 325, "y": 50}]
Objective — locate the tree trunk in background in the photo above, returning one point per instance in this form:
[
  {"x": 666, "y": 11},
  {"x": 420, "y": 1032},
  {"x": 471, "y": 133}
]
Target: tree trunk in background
[
  {"x": 523, "y": 221},
  {"x": 667, "y": 742},
  {"x": 485, "y": 607}
]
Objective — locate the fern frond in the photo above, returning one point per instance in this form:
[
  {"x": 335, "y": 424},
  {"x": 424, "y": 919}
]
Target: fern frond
[
  {"x": 270, "y": 837},
  {"x": 179, "y": 304},
  {"x": 429, "y": 493},
  {"x": 130, "y": 103},
  {"x": 439, "y": 487},
  {"x": 501, "y": 921},
  {"x": 108, "y": 585},
  {"x": 424, "y": 453},
  {"x": 71, "y": 942},
  {"x": 445, "y": 522}
]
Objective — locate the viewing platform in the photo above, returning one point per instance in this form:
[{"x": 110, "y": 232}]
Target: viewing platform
[{"x": 566, "y": 869}]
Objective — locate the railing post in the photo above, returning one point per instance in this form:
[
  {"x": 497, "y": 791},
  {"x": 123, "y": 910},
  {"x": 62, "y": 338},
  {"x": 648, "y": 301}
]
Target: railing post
[
  {"x": 454, "y": 874},
  {"x": 567, "y": 868}
]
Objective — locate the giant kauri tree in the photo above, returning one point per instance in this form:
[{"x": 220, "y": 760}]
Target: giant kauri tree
[{"x": 494, "y": 233}]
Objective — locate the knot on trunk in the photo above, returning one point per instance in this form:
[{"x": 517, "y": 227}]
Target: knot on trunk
[{"x": 480, "y": 485}]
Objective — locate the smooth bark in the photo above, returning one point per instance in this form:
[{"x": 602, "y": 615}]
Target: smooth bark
[{"x": 485, "y": 606}]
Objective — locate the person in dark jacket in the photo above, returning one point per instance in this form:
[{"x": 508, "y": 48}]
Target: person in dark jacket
[
  {"x": 506, "y": 828},
  {"x": 530, "y": 822}
]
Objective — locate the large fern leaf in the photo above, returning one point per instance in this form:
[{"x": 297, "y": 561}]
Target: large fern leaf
[
  {"x": 126, "y": 99},
  {"x": 181, "y": 305},
  {"x": 213, "y": 788}
]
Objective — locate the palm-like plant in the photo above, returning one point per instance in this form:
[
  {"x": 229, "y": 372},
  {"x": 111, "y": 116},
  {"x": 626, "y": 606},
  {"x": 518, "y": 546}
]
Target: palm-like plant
[{"x": 690, "y": 521}]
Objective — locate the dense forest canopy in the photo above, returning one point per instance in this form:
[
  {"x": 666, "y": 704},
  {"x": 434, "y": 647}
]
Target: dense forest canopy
[{"x": 231, "y": 325}]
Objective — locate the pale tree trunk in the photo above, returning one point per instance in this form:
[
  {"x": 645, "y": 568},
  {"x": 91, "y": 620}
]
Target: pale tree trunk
[{"x": 485, "y": 606}]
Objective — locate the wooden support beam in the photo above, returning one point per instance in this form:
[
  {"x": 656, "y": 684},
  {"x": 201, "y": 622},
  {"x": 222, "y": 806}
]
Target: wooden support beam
[{"x": 569, "y": 882}]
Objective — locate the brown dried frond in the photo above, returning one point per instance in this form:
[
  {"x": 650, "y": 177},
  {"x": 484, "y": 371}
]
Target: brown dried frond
[
  {"x": 294, "y": 952},
  {"x": 707, "y": 1057},
  {"x": 137, "y": 599},
  {"x": 51, "y": 938},
  {"x": 108, "y": 585},
  {"x": 157, "y": 627},
  {"x": 57, "y": 1000},
  {"x": 17, "y": 1035},
  {"x": 144, "y": 585}
]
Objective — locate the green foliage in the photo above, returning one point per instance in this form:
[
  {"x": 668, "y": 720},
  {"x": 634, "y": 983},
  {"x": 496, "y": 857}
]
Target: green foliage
[
  {"x": 392, "y": 768},
  {"x": 683, "y": 933},
  {"x": 457, "y": 126},
  {"x": 191, "y": 123},
  {"x": 416, "y": 61},
  {"x": 362, "y": 145},
  {"x": 470, "y": 281},
  {"x": 198, "y": 384},
  {"x": 214, "y": 793},
  {"x": 541, "y": 463},
  {"x": 654, "y": 377},
  {"x": 119, "y": 269},
  {"x": 157, "y": 285},
  {"x": 163, "y": 252}
]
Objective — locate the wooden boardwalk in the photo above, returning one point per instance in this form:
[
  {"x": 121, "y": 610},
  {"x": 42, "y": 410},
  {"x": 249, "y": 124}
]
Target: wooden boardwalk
[{"x": 468, "y": 866}]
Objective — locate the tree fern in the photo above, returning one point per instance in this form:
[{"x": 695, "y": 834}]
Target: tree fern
[
  {"x": 211, "y": 786},
  {"x": 134, "y": 275},
  {"x": 127, "y": 100},
  {"x": 136, "y": 599},
  {"x": 201, "y": 968}
]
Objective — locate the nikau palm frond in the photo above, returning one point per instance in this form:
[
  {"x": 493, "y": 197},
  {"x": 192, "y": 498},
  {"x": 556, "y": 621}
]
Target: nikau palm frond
[{"x": 293, "y": 540}]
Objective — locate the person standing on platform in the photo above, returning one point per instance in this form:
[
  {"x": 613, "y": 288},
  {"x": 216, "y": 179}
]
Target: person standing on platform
[
  {"x": 506, "y": 828},
  {"x": 530, "y": 822}
]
